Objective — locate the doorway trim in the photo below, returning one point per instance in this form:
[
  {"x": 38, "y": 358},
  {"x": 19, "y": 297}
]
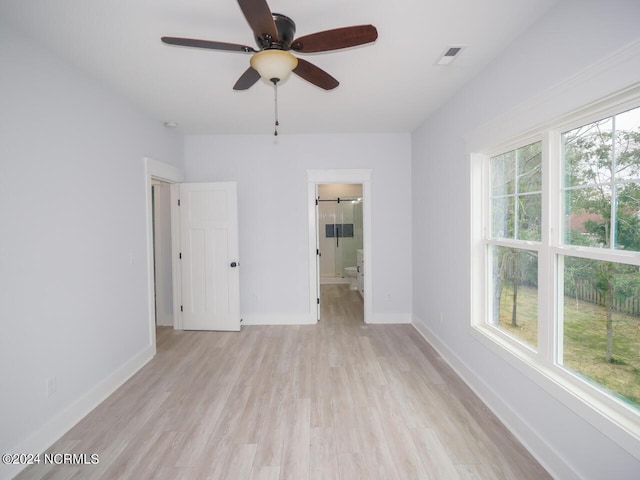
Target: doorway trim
[
  {"x": 318, "y": 177},
  {"x": 156, "y": 170}
]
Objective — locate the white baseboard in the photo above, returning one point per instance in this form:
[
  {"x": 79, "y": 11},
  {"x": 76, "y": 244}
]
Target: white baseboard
[
  {"x": 536, "y": 445},
  {"x": 388, "y": 318},
  {"x": 278, "y": 319},
  {"x": 51, "y": 431}
]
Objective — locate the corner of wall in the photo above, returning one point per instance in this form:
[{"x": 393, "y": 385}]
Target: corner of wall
[
  {"x": 55, "y": 428},
  {"x": 525, "y": 433}
]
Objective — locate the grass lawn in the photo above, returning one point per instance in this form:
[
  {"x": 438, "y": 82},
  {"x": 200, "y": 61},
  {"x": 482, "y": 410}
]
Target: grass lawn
[
  {"x": 585, "y": 337},
  {"x": 527, "y": 314}
]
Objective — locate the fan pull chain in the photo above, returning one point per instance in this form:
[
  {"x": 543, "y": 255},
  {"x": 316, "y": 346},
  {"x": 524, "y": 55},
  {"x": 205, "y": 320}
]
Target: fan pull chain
[{"x": 275, "y": 97}]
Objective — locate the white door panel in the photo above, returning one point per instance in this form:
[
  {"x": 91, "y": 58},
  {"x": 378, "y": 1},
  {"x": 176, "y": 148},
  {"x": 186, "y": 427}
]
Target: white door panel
[{"x": 209, "y": 246}]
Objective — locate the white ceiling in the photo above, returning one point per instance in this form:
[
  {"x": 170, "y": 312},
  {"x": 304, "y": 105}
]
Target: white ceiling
[{"x": 389, "y": 86}]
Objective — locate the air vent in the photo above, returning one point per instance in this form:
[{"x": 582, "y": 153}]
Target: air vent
[{"x": 450, "y": 54}]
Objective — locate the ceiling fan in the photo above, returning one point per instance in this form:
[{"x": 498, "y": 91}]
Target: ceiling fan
[{"x": 274, "y": 35}]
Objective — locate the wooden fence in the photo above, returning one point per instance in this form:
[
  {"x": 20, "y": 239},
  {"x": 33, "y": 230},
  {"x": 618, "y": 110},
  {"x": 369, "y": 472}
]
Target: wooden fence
[{"x": 585, "y": 291}]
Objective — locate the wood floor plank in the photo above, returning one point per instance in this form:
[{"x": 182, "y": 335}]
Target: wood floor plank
[
  {"x": 297, "y": 441},
  {"x": 379, "y": 458},
  {"x": 272, "y": 431},
  {"x": 437, "y": 461},
  {"x": 407, "y": 458},
  {"x": 323, "y": 455},
  {"x": 239, "y": 463},
  {"x": 265, "y": 473},
  {"x": 340, "y": 399}
]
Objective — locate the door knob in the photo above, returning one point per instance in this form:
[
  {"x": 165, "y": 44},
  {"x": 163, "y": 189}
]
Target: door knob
[{"x": 234, "y": 264}]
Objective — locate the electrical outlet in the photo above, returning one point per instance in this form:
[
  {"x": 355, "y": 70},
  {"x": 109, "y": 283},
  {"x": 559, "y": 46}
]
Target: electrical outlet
[{"x": 52, "y": 386}]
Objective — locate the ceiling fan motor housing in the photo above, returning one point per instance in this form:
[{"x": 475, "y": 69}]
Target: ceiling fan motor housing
[{"x": 286, "y": 33}]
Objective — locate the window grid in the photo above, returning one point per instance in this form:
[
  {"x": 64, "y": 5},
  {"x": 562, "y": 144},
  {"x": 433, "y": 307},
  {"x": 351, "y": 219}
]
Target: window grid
[{"x": 552, "y": 249}]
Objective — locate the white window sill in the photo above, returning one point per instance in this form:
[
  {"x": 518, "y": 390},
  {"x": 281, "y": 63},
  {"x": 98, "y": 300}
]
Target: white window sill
[{"x": 610, "y": 416}]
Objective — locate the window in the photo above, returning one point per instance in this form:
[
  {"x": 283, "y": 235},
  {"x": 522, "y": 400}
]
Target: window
[
  {"x": 601, "y": 163},
  {"x": 516, "y": 212},
  {"x": 600, "y": 317},
  {"x": 556, "y": 258}
]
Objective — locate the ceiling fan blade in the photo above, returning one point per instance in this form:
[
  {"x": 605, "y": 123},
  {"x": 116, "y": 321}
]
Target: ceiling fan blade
[
  {"x": 259, "y": 17},
  {"x": 315, "y": 75},
  {"x": 335, "y": 39},
  {"x": 247, "y": 79},
  {"x": 192, "y": 42}
]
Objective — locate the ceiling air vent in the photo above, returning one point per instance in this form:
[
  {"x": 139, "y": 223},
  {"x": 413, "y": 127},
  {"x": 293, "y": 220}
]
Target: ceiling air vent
[{"x": 450, "y": 54}]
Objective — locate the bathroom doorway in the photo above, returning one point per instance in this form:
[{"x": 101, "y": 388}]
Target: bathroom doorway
[
  {"x": 340, "y": 233},
  {"x": 335, "y": 179}
]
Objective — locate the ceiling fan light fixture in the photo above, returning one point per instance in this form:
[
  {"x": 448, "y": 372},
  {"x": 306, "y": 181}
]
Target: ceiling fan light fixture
[{"x": 273, "y": 65}]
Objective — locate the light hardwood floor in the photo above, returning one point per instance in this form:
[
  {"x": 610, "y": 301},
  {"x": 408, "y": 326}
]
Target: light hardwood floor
[{"x": 336, "y": 400}]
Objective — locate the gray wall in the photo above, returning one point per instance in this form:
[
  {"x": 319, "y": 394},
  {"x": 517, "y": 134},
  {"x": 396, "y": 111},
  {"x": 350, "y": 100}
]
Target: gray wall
[
  {"x": 72, "y": 200},
  {"x": 73, "y": 212},
  {"x": 273, "y": 211},
  {"x": 569, "y": 39}
]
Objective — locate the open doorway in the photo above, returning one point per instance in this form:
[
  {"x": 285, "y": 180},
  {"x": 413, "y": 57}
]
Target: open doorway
[
  {"x": 156, "y": 172},
  {"x": 340, "y": 235},
  {"x": 163, "y": 278},
  {"x": 340, "y": 247}
]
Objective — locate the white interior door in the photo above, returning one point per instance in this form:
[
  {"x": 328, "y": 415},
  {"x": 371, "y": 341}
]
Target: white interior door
[{"x": 209, "y": 251}]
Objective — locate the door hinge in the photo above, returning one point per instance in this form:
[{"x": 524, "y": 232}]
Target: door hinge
[
  {"x": 178, "y": 202},
  {"x": 318, "y": 301},
  {"x": 316, "y": 202},
  {"x": 180, "y": 255},
  {"x": 181, "y": 308},
  {"x": 318, "y": 251}
]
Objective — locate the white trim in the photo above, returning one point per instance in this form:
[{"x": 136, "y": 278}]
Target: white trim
[
  {"x": 601, "y": 254},
  {"x": 316, "y": 177},
  {"x": 279, "y": 319},
  {"x": 478, "y": 217},
  {"x": 176, "y": 271},
  {"x": 524, "y": 432},
  {"x": 155, "y": 170},
  {"x": 585, "y": 87},
  {"x": 314, "y": 287},
  {"x": 163, "y": 171},
  {"x": 612, "y": 417},
  {"x": 346, "y": 175},
  {"x": 555, "y": 381},
  {"x": 55, "y": 428}
]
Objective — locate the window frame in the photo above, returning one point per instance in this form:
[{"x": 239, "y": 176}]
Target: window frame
[
  {"x": 516, "y": 243},
  {"x": 618, "y": 421}
]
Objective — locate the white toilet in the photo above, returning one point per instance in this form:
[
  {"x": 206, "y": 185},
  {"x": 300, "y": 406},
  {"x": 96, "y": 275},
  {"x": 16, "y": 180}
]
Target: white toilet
[{"x": 352, "y": 274}]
